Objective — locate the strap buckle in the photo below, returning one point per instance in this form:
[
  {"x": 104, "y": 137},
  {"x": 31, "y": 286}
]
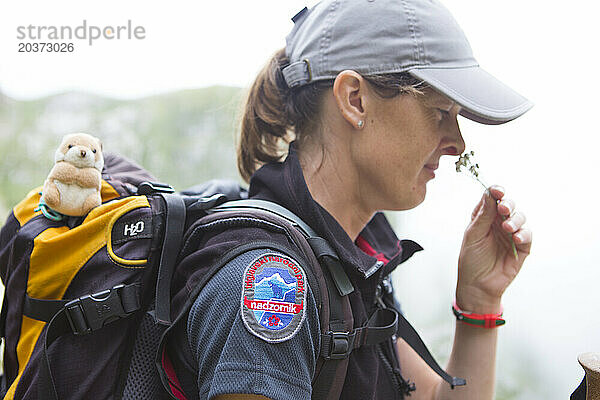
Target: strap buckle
[
  {"x": 90, "y": 313},
  {"x": 340, "y": 345},
  {"x": 146, "y": 188}
]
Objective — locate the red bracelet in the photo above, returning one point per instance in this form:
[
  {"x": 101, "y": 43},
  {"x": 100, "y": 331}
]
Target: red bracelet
[{"x": 482, "y": 320}]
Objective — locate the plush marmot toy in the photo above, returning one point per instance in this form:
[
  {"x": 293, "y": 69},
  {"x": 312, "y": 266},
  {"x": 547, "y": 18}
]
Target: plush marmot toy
[{"x": 74, "y": 184}]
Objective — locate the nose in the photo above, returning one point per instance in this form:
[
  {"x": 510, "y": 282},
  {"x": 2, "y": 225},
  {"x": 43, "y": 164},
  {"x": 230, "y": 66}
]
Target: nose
[
  {"x": 82, "y": 152},
  {"x": 453, "y": 143}
]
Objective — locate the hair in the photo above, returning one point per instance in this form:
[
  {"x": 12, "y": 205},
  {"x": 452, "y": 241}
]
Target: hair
[{"x": 274, "y": 114}]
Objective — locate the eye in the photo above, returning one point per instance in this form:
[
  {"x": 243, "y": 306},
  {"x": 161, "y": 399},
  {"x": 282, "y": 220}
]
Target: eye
[
  {"x": 443, "y": 113},
  {"x": 93, "y": 150},
  {"x": 69, "y": 146}
]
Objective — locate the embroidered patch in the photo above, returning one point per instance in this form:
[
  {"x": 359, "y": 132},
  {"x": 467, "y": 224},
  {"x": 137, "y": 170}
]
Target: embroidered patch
[{"x": 273, "y": 297}]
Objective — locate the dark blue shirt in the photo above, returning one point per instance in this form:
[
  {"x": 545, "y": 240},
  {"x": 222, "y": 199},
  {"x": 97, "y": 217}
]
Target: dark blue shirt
[{"x": 230, "y": 359}]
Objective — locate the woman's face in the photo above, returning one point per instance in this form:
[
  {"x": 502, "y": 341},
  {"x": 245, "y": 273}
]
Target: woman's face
[{"x": 400, "y": 147}]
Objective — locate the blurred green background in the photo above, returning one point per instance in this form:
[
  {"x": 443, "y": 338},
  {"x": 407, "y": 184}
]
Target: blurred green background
[{"x": 183, "y": 138}]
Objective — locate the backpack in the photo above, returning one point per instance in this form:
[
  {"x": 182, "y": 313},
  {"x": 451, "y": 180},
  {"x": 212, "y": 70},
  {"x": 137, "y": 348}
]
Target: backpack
[{"x": 86, "y": 308}]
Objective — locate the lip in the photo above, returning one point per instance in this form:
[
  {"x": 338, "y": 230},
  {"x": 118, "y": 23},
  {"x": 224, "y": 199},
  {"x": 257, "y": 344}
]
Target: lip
[{"x": 431, "y": 169}]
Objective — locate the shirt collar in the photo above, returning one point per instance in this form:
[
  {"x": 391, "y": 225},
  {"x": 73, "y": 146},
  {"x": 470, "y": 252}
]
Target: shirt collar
[{"x": 377, "y": 245}]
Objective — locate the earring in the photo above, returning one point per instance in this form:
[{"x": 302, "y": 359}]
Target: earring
[{"x": 360, "y": 124}]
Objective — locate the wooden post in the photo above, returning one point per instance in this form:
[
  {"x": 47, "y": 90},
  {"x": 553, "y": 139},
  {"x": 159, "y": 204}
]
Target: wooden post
[{"x": 591, "y": 364}]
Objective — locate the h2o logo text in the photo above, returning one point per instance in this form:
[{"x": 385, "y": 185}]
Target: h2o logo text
[{"x": 134, "y": 228}]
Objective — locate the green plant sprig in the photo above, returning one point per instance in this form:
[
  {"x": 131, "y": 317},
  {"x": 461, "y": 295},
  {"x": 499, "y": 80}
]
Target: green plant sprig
[{"x": 466, "y": 160}]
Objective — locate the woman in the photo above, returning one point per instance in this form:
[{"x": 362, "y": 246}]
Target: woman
[{"x": 370, "y": 92}]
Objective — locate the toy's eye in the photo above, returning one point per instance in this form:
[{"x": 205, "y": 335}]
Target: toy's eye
[
  {"x": 70, "y": 146},
  {"x": 93, "y": 150}
]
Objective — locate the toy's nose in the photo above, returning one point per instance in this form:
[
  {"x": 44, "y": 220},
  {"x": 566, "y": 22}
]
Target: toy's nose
[{"x": 82, "y": 153}]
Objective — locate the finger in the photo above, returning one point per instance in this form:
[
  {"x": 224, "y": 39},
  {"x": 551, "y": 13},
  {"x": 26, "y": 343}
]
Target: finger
[
  {"x": 506, "y": 207},
  {"x": 477, "y": 208},
  {"x": 523, "y": 237},
  {"x": 484, "y": 218},
  {"x": 514, "y": 223},
  {"x": 497, "y": 192}
]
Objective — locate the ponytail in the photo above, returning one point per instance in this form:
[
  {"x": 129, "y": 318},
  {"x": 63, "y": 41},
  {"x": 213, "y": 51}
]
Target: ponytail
[{"x": 264, "y": 124}]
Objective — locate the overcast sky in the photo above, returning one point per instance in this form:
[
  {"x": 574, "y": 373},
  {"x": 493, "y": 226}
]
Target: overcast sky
[
  {"x": 194, "y": 44},
  {"x": 547, "y": 159}
]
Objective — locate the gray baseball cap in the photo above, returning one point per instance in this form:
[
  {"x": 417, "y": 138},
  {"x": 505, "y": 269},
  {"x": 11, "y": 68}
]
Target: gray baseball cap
[{"x": 419, "y": 37}]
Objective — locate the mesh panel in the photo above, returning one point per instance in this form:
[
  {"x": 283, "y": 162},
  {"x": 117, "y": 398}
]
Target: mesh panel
[{"x": 143, "y": 381}]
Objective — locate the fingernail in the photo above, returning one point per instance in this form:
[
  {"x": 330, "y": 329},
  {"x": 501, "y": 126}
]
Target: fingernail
[
  {"x": 499, "y": 188},
  {"x": 511, "y": 225},
  {"x": 519, "y": 238},
  {"x": 507, "y": 206}
]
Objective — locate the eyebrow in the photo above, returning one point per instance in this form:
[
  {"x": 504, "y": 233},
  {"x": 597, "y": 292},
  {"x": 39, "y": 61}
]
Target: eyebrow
[
  {"x": 438, "y": 100},
  {"x": 441, "y": 102},
  {"x": 445, "y": 103}
]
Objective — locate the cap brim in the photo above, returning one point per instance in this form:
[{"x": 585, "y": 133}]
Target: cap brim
[{"x": 482, "y": 97}]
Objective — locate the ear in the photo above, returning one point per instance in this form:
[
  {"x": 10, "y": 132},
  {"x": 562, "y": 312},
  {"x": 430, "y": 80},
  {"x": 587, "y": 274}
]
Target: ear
[
  {"x": 100, "y": 143},
  {"x": 349, "y": 90},
  {"x": 59, "y": 155},
  {"x": 66, "y": 138}
]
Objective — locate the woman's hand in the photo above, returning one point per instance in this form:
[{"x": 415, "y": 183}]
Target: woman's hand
[{"x": 487, "y": 264}]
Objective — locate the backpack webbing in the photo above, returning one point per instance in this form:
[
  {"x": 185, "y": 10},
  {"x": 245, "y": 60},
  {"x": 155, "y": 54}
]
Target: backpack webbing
[{"x": 341, "y": 338}]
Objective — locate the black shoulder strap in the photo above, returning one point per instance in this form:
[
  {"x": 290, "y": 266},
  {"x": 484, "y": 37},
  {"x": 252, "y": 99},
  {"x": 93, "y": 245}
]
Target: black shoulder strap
[
  {"x": 412, "y": 338},
  {"x": 273, "y": 208},
  {"x": 173, "y": 235},
  {"x": 330, "y": 373}
]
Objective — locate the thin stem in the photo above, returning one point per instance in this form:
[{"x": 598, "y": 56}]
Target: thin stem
[
  {"x": 512, "y": 242},
  {"x": 482, "y": 184}
]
